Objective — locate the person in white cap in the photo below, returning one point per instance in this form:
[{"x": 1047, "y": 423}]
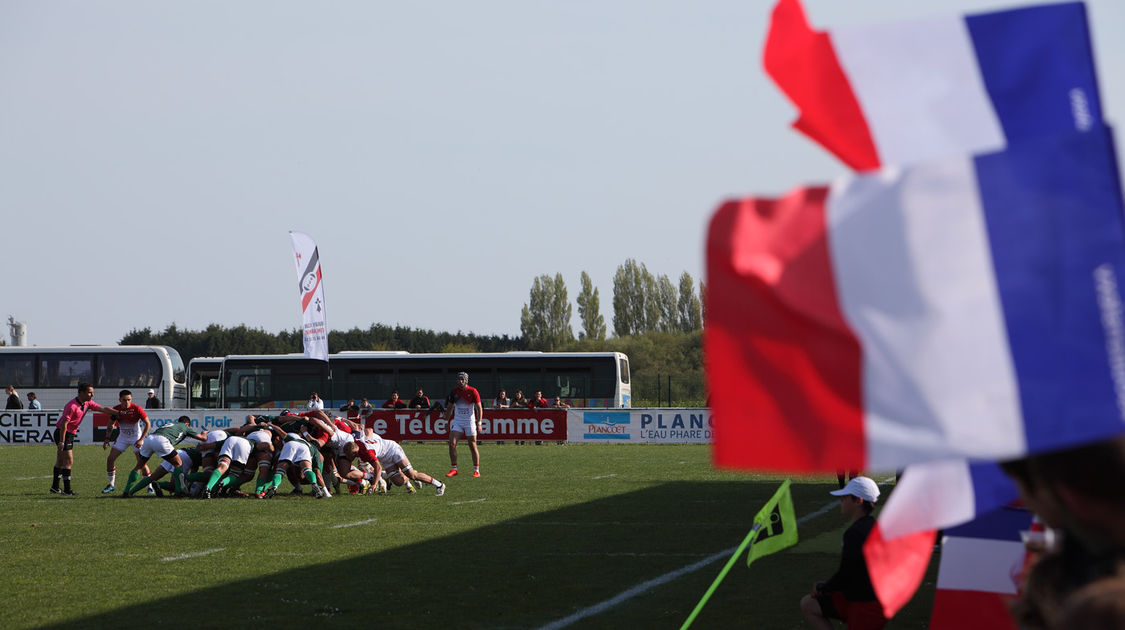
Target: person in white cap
[
  {"x": 152, "y": 402},
  {"x": 848, "y": 594},
  {"x": 466, "y": 413}
]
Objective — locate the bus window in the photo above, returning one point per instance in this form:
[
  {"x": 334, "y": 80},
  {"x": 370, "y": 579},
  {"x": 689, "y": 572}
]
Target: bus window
[
  {"x": 65, "y": 370},
  {"x": 431, "y": 380},
  {"x": 128, "y": 370},
  {"x": 375, "y": 385},
  {"x": 513, "y": 380},
  {"x": 18, "y": 371},
  {"x": 624, "y": 371}
]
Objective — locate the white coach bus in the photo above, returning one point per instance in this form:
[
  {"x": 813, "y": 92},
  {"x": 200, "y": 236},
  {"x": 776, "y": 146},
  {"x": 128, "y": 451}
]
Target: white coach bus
[
  {"x": 54, "y": 372},
  {"x": 582, "y": 379}
]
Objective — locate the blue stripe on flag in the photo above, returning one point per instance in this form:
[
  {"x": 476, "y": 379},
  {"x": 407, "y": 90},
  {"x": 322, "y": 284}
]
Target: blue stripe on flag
[
  {"x": 991, "y": 487},
  {"x": 1038, "y": 67},
  {"x": 1004, "y": 523},
  {"x": 1054, "y": 218}
]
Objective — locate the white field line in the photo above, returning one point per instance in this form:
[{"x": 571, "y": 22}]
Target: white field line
[
  {"x": 185, "y": 556},
  {"x": 470, "y": 501},
  {"x": 356, "y": 524},
  {"x": 605, "y": 476},
  {"x": 605, "y": 605},
  {"x": 32, "y": 478}
]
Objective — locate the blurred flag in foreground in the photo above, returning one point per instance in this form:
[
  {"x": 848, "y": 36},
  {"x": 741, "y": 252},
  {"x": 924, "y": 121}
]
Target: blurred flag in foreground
[
  {"x": 907, "y": 92},
  {"x": 311, "y": 287},
  {"x": 775, "y": 524},
  {"x": 941, "y": 494},
  {"x": 980, "y": 572},
  {"x": 962, "y": 308}
]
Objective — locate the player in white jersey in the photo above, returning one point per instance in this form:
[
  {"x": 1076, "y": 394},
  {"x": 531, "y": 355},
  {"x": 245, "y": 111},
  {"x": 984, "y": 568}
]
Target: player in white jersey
[
  {"x": 466, "y": 413},
  {"x": 235, "y": 452},
  {"x": 392, "y": 459}
]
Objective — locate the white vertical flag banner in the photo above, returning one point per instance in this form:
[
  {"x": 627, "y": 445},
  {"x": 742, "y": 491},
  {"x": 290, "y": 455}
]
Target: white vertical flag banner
[{"x": 311, "y": 287}]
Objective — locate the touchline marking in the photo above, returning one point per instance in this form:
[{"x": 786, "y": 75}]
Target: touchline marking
[
  {"x": 370, "y": 520},
  {"x": 471, "y": 501},
  {"x": 605, "y": 476},
  {"x": 32, "y": 478},
  {"x": 603, "y": 606},
  {"x": 185, "y": 556}
]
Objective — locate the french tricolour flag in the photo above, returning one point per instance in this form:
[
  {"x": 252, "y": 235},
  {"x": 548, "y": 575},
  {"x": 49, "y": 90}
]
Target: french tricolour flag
[
  {"x": 961, "y": 308},
  {"x": 908, "y": 92},
  {"x": 980, "y": 572}
]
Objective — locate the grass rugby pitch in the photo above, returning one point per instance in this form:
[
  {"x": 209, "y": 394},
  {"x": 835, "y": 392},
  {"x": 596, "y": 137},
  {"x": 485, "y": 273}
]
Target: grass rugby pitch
[{"x": 546, "y": 532}]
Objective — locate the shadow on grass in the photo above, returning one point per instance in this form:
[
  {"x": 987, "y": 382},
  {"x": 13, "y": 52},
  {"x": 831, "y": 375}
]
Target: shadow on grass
[{"x": 519, "y": 573}]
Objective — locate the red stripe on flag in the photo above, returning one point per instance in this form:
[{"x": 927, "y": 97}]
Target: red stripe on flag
[
  {"x": 783, "y": 368},
  {"x": 896, "y": 567},
  {"x": 804, "y": 65},
  {"x": 971, "y": 610}
]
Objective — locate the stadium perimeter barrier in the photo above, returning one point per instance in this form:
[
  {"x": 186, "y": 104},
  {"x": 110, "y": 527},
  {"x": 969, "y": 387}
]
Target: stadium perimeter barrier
[{"x": 619, "y": 426}]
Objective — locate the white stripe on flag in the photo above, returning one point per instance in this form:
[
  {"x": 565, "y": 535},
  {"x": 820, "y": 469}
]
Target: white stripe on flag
[
  {"x": 920, "y": 88},
  {"x": 931, "y": 495},
  {"x": 980, "y": 564},
  {"x": 916, "y": 283}
]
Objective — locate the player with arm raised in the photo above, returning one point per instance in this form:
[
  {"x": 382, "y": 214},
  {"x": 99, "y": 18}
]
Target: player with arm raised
[{"x": 65, "y": 432}]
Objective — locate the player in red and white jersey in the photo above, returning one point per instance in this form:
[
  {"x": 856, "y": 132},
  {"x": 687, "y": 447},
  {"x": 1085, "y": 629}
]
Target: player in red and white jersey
[
  {"x": 390, "y": 457},
  {"x": 466, "y": 412},
  {"x": 132, "y": 428}
]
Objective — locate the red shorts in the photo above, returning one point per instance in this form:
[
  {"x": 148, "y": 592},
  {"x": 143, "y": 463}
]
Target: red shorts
[{"x": 858, "y": 615}]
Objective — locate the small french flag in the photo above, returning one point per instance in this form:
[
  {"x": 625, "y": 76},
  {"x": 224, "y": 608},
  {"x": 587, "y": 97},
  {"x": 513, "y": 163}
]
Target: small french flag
[
  {"x": 962, "y": 308},
  {"x": 909, "y": 92}
]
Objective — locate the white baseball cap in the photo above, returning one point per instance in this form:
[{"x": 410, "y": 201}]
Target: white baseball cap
[
  {"x": 151, "y": 391},
  {"x": 862, "y": 487}
]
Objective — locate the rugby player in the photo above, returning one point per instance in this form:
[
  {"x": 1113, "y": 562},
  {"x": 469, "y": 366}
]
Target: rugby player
[
  {"x": 66, "y": 430},
  {"x": 466, "y": 413},
  {"x": 131, "y": 428},
  {"x": 162, "y": 442}
]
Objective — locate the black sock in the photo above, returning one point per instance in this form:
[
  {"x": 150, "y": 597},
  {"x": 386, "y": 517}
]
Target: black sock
[
  {"x": 55, "y": 483},
  {"x": 66, "y": 479}
]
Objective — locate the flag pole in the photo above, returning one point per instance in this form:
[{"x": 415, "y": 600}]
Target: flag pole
[{"x": 722, "y": 574}]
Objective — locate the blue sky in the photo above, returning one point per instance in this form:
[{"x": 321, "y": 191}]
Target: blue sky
[{"x": 154, "y": 156}]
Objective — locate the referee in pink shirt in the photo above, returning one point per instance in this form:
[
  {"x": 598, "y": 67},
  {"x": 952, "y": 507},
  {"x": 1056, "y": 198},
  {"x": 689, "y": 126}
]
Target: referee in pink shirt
[{"x": 65, "y": 431}]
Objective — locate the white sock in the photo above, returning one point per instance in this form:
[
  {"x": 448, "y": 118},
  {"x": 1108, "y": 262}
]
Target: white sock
[
  {"x": 476, "y": 468},
  {"x": 435, "y": 483},
  {"x": 112, "y": 476}
]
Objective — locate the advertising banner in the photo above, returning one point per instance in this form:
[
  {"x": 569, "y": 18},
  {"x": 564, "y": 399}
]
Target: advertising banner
[
  {"x": 636, "y": 426},
  {"x": 498, "y": 424},
  {"x": 311, "y": 287}
]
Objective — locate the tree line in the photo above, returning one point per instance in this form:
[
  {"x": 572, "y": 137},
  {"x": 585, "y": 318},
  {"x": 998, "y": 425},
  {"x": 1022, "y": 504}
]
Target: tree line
[
  {"x": 642, "y": 303},
  {"x": 656, "y": 323}
]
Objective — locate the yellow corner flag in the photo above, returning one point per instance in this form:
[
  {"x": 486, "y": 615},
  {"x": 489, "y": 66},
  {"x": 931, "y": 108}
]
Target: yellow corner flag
[
  {"x": 775, "y": 524},
  {"x": 775, "y": 528}
]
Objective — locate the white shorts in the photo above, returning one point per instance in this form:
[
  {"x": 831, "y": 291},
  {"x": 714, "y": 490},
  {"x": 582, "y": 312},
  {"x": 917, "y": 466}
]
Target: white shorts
[
  {"x": 156, "y": 444},
  {"x": 295, "y": 452},
  {"x": 392, "y": 455},
  {"x": 217, "y": 435},
  {"x": 185, "y": 459},
  {"x": 123, "y": 442},
  {"x": 237, "y": 449},
  {"x": 467, "y": 427},
  {"x": 260, "y": 435}
]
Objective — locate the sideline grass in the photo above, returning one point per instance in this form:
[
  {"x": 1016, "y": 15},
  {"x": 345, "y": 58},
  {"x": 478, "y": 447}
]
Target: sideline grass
[{"x": 547, "y": 531}]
